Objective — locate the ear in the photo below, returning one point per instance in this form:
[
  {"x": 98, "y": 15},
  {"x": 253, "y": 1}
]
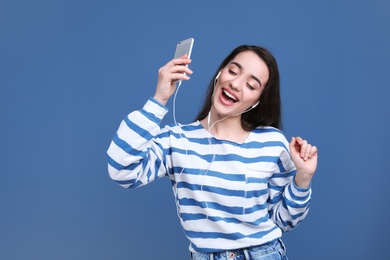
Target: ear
[
  {"x": 219, "y": 73},
  {"x": 216, "y": 78}
]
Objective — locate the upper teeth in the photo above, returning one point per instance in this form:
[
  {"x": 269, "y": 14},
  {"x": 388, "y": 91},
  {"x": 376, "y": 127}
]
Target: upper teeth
[{"x": 229, "y": 95}]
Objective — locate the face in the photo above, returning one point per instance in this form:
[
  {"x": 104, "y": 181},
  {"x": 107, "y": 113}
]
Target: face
[{"x": 240, "y": 84}]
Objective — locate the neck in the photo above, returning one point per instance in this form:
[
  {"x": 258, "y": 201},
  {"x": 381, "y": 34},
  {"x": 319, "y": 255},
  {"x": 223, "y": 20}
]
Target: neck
[{"x": 225, "y": 127}]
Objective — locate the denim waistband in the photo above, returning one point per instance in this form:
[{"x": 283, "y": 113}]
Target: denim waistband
[{"x": 272, "y": 250}]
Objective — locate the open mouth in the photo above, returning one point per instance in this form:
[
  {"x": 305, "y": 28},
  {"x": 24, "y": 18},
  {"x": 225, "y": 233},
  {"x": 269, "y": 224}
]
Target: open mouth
[{"x": 229, "y": 97}]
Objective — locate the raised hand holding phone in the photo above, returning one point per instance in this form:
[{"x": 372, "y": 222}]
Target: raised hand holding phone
[{"x": 174, "y": 71}]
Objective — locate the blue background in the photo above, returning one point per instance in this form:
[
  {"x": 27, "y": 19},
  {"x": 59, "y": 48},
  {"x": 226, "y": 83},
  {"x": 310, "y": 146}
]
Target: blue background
[{"x": 71, "y": 70}]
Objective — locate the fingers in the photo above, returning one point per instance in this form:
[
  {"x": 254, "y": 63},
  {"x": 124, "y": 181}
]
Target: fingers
[
  {"x": 176, "y": 69},
  {"x": 174, "y": 74},
  {"x": 183, "y": 60},
  {"x": 179, "y": 63},
  {"x": 301, "y": 146}
]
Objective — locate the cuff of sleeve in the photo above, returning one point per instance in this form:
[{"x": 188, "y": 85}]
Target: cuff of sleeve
[
  {"x": 154, "y": 110},
  {"x": 300, "y": 193}
]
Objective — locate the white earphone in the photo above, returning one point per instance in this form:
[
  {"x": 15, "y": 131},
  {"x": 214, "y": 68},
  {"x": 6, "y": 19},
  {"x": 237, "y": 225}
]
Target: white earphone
[
  {"x": 255, "y": 105},
  {"x": 219, "y": 73},
  {"x": 216, "y": 77}
]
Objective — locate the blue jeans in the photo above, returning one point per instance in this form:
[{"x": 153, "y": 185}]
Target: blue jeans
[{"x": 271, "y": 251}]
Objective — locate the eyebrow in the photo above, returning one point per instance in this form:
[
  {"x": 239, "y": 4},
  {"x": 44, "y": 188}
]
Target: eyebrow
[{"x": 240, "y": 67}]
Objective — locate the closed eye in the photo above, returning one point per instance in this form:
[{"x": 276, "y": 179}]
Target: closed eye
[
  {"x": 250, "y": 86},
  {"x": 232, "y": 72}
]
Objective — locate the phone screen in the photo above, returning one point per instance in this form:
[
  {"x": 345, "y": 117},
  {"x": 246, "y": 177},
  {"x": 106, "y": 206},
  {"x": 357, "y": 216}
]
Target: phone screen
[{"x": 184, "y": 47}]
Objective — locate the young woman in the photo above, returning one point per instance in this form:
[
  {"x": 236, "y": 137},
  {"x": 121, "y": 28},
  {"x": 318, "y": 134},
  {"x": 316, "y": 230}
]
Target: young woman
[{"x": 237, "y": 182}]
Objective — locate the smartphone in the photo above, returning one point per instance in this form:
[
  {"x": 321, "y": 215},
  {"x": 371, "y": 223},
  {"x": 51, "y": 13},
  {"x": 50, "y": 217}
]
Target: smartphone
[{"x": 184, "y": 47}]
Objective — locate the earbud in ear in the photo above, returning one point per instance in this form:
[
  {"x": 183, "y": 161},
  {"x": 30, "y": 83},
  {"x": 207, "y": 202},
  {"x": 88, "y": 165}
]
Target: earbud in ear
[
  {"x": 216, "y": 77},
  {"x": 219, "y": 73}
]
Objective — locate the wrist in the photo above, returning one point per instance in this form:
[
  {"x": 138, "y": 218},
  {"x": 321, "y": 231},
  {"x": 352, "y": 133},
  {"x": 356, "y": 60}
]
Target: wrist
[
  {"x": 162, "y": 101},
  {"x": 303, "y": 180}
]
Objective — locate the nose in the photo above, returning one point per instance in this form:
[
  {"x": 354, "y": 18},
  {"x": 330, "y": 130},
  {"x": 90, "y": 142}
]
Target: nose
[{"x": 236, "y": 84}]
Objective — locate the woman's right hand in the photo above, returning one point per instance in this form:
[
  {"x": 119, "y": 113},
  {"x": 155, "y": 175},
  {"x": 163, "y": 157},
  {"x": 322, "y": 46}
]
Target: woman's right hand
[{"x": 168, "y": 75}]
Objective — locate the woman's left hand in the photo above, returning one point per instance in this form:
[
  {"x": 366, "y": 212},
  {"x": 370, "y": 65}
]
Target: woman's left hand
[{"x": 305, "y": 157}]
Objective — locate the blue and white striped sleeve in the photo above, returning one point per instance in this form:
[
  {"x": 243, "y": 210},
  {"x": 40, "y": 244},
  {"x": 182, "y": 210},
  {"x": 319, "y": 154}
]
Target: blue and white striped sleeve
[
  {"x": 288, "y": 203},
  {"x": 134, "y": 159}
]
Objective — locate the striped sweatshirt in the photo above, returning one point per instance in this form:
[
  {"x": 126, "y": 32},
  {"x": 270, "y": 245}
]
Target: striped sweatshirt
[{"x": 228, "y": 195}]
